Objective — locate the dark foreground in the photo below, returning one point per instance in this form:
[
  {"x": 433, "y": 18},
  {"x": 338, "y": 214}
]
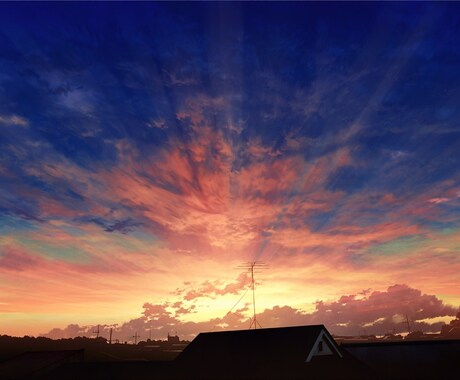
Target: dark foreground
[{"x": 303, "y": 352}]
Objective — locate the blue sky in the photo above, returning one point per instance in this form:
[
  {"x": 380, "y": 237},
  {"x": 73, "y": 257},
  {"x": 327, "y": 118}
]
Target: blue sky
[{"x": 136, "y": 136}]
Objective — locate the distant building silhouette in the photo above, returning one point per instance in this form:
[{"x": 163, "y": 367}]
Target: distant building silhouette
[{"x": 173, "y": 339}]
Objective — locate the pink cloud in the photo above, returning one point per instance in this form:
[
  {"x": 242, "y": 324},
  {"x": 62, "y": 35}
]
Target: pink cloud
[
  {"x": 439, "y": 200},
  {"x": 16, "y": 259},
  {"x": 206, "y": 208},
  {"x": 14, "y": 120},
  {"x": 258, "y": 151},
  {"x": 189, "y": 196},
  {"x": 341, "y": 238},
  {"x": 396, "y": 300},
  {"x": 34, "y": 259},
  {"x": 213, "y": 288},
  {"x": 376, "y": 312}
]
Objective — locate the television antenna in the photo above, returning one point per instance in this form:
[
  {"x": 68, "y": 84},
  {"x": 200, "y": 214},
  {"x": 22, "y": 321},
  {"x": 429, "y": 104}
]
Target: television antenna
[{"x": 253, "y": 267}]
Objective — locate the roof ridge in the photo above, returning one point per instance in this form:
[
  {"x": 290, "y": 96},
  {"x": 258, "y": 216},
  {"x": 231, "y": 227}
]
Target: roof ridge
[{"x": 265, "y": 329}]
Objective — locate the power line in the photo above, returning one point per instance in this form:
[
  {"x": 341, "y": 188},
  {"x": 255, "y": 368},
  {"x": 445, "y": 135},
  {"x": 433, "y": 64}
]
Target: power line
[{"x": 237, "y": 302}]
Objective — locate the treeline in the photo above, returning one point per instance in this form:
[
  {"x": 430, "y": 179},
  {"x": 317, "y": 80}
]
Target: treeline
[{"x": 96, "y": 349}]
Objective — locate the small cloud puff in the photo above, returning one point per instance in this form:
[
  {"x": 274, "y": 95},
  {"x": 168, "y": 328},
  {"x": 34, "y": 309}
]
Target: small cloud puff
[{"x": 14, "y": 120}]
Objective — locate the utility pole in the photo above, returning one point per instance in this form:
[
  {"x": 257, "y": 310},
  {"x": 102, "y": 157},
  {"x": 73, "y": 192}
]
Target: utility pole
[
  {"x": 150, "y": 333},
  {"x": 110, "y": 339},
  {"x": 408, "y": 324},
  {"x": 135, "y": 336},
  {"x": 252, "y": 268},
  {"x": 97, "y": 332}
]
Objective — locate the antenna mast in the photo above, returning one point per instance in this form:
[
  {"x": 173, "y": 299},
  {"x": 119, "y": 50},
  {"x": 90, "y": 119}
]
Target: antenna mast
[{"x": 252, "y": 267}]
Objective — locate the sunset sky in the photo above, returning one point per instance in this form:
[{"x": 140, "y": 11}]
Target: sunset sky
[{"x": 148, "y": 149}]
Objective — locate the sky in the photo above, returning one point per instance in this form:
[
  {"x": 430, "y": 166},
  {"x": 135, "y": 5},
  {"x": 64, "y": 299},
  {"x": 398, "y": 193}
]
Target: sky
[{"x": 148, "y": 149}]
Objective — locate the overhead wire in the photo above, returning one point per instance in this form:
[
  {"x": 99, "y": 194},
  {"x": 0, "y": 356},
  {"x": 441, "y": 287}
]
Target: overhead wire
[{"x": 237, "y": 302}]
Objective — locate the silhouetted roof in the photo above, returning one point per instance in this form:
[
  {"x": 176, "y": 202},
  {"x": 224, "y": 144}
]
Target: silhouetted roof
[
  {"x": 292, "y": 343},
  {"x": 262, "y": 353}
]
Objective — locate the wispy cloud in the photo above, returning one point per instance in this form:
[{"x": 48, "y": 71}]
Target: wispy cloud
[{"x": 14, "y": 120}]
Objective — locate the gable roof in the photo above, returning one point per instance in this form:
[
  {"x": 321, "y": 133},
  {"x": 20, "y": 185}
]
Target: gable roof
[{"x": 286, "y": 344}]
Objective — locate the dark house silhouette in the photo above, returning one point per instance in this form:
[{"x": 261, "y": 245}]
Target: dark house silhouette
[{"x": 276, "y": 353}]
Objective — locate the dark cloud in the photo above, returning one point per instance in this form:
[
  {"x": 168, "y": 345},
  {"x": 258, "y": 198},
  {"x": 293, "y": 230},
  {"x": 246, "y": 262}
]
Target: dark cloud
[{"x": 123, "y": 226}]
